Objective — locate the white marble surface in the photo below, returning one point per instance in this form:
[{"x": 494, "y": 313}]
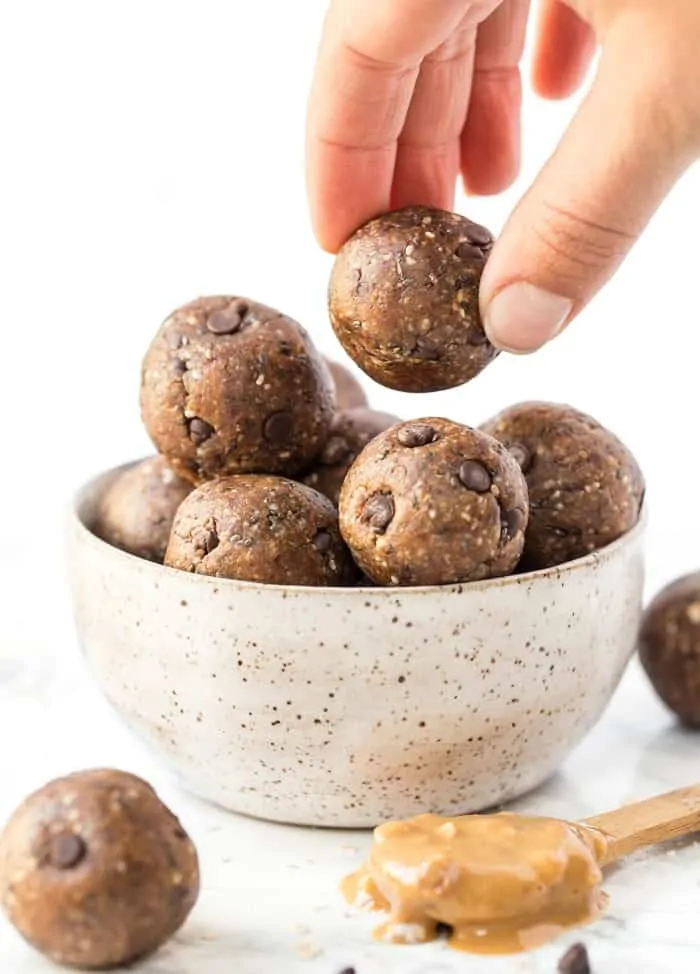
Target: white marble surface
[{"x": 269, "y": 900}]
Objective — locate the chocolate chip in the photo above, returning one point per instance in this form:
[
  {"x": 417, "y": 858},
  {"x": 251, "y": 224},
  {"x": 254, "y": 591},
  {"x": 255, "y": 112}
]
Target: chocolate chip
[
  {"x": 205, "y": 539},
  {"x": 467, "y": 251},
  {"x": 476, "y": 335},
  {"x": 66, "y": 850},
  {"x": 278, "y": 427},
  {"x": 378, "y": 512},
  {"x": 479, "y": 235},
  {"x": 335, "y": 451},
  {"x": 224, "y": 322},
  {"x": 475, "y": 476},
  {"x": 322, "y": 542},
  {"x": 575, "y": 961},
  {"x": 522, "y": 455},
  {"x": 511, "y": 522},
  {"x": 417, "y": 434},
  {"x": 199, "y": 430},
  {"x": 426, "y": 352},
  {"x": 348, "y": 970}
]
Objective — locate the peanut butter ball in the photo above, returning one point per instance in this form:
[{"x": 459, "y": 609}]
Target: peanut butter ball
[
  {"x": 349, "y": 394},
  {"x": 432, "y": 502},
  {"x": 95, "y": 872},
  {"x": 404, "y": 299},
  {"x": 232, "y": 386},
  {"x": 352, "y": 430},
  {"x": 586, "y": 488},
  {"x": 669, "y": 647},
  {"x": 260, "y": 529},
  {"x": 136, "y": 512}
]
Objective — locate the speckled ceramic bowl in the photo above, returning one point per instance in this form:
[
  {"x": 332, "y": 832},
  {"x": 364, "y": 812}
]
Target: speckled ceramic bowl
[{"x": 346, "y": 707}]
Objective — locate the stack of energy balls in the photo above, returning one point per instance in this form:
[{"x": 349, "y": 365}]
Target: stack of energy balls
[{"x": 272, "y": 468}]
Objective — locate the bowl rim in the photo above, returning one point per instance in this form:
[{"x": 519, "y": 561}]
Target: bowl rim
[{"x": 591, "y": 560}]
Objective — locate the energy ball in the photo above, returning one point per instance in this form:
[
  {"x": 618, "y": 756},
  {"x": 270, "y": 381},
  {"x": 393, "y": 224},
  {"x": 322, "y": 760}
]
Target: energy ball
[
  {"x": 95, "y": 872},
  {"x": 669, "y": 647},
  {"x": 349, "y": 394},
  {"x": 231, "y": 386},
  {"x": 352, "y": 430},
  {"x": 260, "y": 529},
  {"x": 404, "y": 299},
  {"x": 585, "y": 486},
  {"x": 432, "y": 502},
  {"x": 136, "y": 512}
]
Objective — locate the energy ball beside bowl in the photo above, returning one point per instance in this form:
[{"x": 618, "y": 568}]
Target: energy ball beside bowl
[
  {"x": 231, "y": 386},
  {"x": 260, "y": 529},
  {"x": 586, "y": 489},
  {"x": 352, "y": 430},
  {"x": 95, "y": 872},
  {"x": 404, "y": 299},
  {"x": 136, "y": 513},
  {"x": 349, "y": 394},
  {"x": 432, "y": 502},
  {"x": 669, "y": 647}
]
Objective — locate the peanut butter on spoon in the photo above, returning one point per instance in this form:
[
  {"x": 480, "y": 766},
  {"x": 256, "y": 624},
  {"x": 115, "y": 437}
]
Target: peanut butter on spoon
[{"x": 504, "y": 883}]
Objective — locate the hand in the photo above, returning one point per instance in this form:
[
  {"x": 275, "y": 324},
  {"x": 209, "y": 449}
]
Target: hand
[{"x": 408, "y": 94}]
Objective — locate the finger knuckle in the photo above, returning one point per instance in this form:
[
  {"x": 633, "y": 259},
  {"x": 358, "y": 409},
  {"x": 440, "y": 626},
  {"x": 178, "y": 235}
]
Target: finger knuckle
[{"x": 582, "y": 244}]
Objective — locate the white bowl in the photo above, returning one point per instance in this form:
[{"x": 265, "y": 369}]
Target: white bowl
[{"x": 347, "y": 707}]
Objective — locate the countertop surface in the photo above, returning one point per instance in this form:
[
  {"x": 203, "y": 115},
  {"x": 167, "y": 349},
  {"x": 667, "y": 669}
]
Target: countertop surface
[{"x": 269, "y": 901}]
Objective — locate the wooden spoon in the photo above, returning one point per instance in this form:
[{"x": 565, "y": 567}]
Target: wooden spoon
[{"x": 650, "y": 822}]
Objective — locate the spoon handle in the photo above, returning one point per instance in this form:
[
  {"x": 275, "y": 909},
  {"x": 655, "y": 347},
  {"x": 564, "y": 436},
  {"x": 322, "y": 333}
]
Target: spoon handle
[{"x": 656, "y": 820}]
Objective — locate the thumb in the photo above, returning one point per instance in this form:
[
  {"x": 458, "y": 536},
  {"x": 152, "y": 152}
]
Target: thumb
[{"x": 619, "y": 158}]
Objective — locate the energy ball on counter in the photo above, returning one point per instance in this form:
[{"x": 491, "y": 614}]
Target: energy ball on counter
[
  {"x": 260, "y": 529},
  {"x": 95, "y": 872},
  {"x": 669, "y": 647},
  {"x": 231, "y": 386},
  {"x": 352, "y": 430},
  {"x": 136, "y": 512},
  {"x": 585, "y": 486},
  {"x": 432, "y": 502},
  {"x": 404, "y": 299},
  {"x": 349, "y": 394}
]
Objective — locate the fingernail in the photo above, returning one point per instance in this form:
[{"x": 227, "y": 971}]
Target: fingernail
[{"x": 522, "y": 317}]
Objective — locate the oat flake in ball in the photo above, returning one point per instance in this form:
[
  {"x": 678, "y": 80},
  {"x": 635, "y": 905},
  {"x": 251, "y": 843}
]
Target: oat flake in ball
[
  {"x": 432, "y": 502},
  {"x": 95, "y": 872},
  {"x": 260, "y": 529},
  {"x": 585, "y": 487},
  {"x": 232, "y": 386},
  {"x": 404, "y": 299}
]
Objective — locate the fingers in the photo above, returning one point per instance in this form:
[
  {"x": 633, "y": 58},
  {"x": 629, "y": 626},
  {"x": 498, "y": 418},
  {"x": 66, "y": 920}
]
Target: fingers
[
  {"x": 367, "y": 69},
  {"x": 428, "y": 159},
  {"x": 491, "y": 138},
  {"x": 618, "y": 160},
  {"x": 563, "y": 51}
]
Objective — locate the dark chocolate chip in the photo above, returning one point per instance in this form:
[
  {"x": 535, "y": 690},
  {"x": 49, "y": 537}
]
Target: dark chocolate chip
[
  {"x": 522, "y": 455},
  {"x": 378, "y": 512},
  {"x": 278, "y": 427},
  {"x": 322, "y": 541},
  {"x": 348, "y": 970},
  {"x": 467, "y": 251},
  {"x": 66, "y": 850},
  {"x": 462, "y": 283},
  {"x": 335, "y": 451},
  {"x": 199, "y": 430},
  {"x": 512, "y": 522},
  {"x": 224, "y": 322},
  {"x": 205, "y": 539},
  {"x": 575, "y": 961},
  {"x": 475, "y": 476},
  {"x": 426, "y": 352},
  {"x": 417, "y": 434},
  {"x": 476, "y": 335},
  {"x": 479, "y": 235}
]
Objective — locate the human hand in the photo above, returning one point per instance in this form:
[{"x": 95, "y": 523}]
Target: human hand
[{"x": 408, "y": 94}]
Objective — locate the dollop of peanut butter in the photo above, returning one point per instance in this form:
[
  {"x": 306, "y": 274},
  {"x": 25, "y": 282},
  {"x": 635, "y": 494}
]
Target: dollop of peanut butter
[{"x": 501, "y": 883}]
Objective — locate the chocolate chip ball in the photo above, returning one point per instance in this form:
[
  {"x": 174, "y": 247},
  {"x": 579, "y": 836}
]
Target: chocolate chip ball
[
  {"x": 352, "y": 430},
  {"x": 404, "y": 299},
  {"x": 669, "y": 647},
  {"x": 349, "y": 394},
  {"x": 260, "y": 529},
  {"x": 431, "y": 502},
  {"x": 137, "y": 510},
  {"x": 95, "y": 872},
  {"x": 231, "y": 386},
  {"x": 585, "y": 486}
]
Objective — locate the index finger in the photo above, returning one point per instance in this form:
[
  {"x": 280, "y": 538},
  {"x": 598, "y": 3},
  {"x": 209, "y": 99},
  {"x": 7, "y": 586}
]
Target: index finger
[{"x": 367, "y": 67}]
